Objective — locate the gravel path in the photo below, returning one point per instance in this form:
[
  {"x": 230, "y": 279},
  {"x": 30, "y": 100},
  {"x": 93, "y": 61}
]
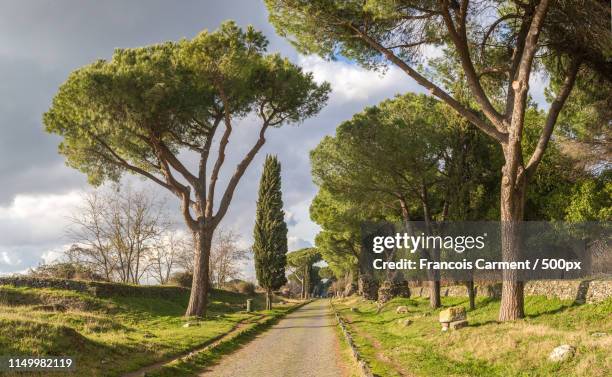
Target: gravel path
[{"x": 302, "y": 344}]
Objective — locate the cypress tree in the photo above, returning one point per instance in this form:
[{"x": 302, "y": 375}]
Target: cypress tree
[{"x": 270, "y": 233}]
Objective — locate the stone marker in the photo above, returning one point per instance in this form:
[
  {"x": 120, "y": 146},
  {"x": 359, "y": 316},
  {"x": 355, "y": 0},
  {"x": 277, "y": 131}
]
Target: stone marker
[
  {"x": 401, "y": 310},
  {"x": 404, "y": 322},
  {"x": 453, "y": 318},
  {"x": 456, "y": 313},
  {"x": 562, "y": 353},
  {"x": 456, "y": 325},
  {"x": 248, "y": 305}
]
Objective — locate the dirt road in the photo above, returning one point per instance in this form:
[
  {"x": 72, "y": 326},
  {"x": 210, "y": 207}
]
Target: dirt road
[{"x": 302, "y": 344}]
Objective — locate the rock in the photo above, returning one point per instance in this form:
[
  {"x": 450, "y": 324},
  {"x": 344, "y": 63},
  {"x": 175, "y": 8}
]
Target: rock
[
  {"x": 404, "y": 322},
  {"x": 456, "y": 325},
  {"x": 445, "y": 326},
  {"x": 191, "y": 324},
  {"x": 401, "y": 310},
  {"x": 456, "y": 313},
  {"x": 598, "y": 334},
  {"x": 562, "y": 353},
  {"x": 354, "y": 309}
]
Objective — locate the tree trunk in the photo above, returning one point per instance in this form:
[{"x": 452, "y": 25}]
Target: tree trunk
[
  {"x": 471, "y": 293},
  {"x": 198, "y": 300},
  {"x": 269, "y": 299},
  {"x": 306, "y": 281},
  {"x": 434, "y": 276},
  {"x": 512, "y": 205},
  {"x": 434, "y": 294}
]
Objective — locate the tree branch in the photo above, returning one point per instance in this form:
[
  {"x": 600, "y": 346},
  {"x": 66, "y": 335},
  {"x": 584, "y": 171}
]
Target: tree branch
[
  {"x": 123, "y": 163},
  {"x": 164, "y": 153},
  {"x": 200, "y": 189},
  {"x": 520, "y": 85},
  {"x": 515, "y": 60},
  {"x": 434, "y": 89},
  {"x": 240, "y": 169},
  {"x": 210, "y": 198},
  {"x": 492, "y": 28},
  {"x": 553, "y": 114},
  {"x": 459, "y": 38},
  {"x": 514, "y": 168}
]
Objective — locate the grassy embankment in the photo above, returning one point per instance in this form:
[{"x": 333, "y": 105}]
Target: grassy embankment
[
  {"x": 485, "y": 347},
  {"x": 114, "y": 335}
]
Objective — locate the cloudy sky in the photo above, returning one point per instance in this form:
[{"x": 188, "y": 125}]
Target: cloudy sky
[{"x": 42, "y": 41}]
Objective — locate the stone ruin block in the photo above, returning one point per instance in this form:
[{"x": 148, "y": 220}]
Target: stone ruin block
[
  {"x": 453, "y": 318},
  {"x": 455, "y": 313}
]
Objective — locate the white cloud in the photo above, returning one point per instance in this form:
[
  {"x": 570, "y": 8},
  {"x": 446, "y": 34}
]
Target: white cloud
[
  {"x": 6, "y": 259},
  {"x": 296, "y": 243},
  {"x": 54, "y": 254},
  {"x": 351, "y": 82},
  {"x": 33, "y": 229}
]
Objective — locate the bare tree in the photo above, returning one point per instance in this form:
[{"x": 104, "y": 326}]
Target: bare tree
[
  {"x": 115, "y": 231},
  {"x": 225, "y": 257},
  {"x": 172, "y": 251},
  {"x": 89, "y": 232},
  {"x": 137, "y": 222}
]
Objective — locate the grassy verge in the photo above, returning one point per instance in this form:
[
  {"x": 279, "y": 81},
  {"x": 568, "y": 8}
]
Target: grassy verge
[
  {"x": 485, "y": 347},
  {"x": 114, "y": 335},
  {"x": 191, "y": 365},
  {"x": 352, "y": 369}
]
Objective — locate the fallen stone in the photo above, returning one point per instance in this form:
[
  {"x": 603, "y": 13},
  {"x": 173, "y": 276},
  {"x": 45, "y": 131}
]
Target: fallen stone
[
  {"x": 191, "y": 324},
  {"x": 598, "y": 334},
  {"x": 445, "y": 326},
  {"x": 456, "y": 325},
  {"x": 562, "y": 353},
  {"x": 353, "y": 309},
  {"x": 401, "y": 310},
  {"x": 404, "y": 322},
  {"x": 456, "y": 313}
]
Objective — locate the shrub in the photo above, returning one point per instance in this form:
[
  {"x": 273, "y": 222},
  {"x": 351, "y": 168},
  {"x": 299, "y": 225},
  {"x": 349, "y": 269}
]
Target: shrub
[
  {"x": 65, "y": 270},
  {"x": 182, "y": 279},
  {"x": 240, "y": 286},
  {"x": 245, "y": 287}
]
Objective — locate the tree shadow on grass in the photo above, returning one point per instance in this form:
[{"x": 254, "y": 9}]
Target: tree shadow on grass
[{"x": 558, "y": 310}]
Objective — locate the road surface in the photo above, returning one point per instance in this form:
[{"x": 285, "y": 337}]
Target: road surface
[{"x": 303, "y": 344}]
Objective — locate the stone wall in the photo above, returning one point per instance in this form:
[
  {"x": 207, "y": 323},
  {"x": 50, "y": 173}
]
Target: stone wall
[
  {"x": 588, "y": 291},
  {"x": 98, "y": 289}
]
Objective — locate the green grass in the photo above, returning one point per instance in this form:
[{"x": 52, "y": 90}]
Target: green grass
[
  {"x": 485, "y": 347},
  {"x": 111, "y": 336}
]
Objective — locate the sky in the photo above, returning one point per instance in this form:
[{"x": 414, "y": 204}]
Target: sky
[{"x": 42, "y": 41}]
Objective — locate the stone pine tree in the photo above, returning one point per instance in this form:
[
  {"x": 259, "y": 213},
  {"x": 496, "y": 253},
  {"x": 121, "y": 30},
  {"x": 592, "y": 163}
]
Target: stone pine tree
[
  {"x": 153, "y": 111},
  {"x": 270, "y": 234}
]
